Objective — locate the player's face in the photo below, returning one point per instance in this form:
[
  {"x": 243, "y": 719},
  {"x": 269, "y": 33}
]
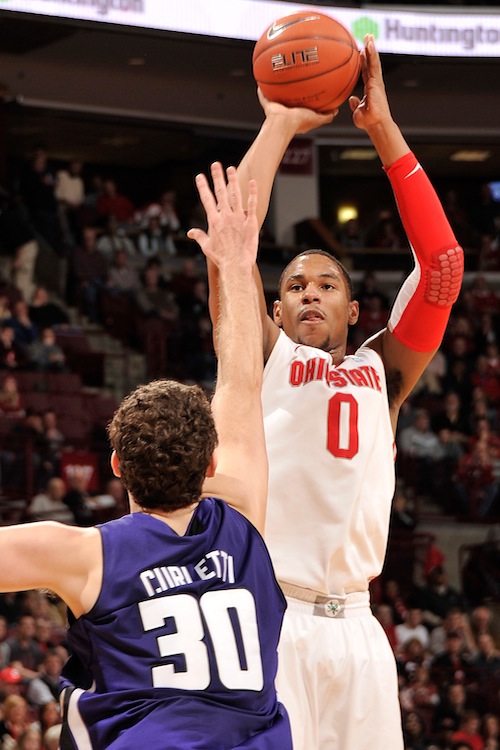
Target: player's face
[{"x": 315, "y": 308}]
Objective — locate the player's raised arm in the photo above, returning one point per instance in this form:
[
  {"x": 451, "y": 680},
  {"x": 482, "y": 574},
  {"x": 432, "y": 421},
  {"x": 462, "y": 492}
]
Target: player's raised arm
[
  {"x": 372, "y": 112},
  {"x": 262, "y": 160},
  {"x": 422, "y": 308},
  {"x": 261, "y": 163},
  {"x": 231, "y": 244}
]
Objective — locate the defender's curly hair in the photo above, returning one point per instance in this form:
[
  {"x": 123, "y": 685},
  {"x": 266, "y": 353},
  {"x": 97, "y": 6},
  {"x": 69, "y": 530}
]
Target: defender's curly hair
[{"x": 164, "y": 436}]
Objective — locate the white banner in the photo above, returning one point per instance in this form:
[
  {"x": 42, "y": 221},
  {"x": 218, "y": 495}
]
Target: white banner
[{"x": 401, "y": 32}]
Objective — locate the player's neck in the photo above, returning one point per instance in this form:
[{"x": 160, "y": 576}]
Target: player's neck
[
  {"x": 337, "y": 354},
  {"x": 178, "y": 519}
]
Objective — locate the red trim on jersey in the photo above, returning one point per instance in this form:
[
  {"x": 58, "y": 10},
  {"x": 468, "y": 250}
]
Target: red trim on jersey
[{"x": 422, "y": 308}]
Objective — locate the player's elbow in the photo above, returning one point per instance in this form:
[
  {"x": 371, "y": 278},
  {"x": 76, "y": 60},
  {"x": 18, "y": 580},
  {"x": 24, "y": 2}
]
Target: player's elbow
[{"x": 445, "y": 277}]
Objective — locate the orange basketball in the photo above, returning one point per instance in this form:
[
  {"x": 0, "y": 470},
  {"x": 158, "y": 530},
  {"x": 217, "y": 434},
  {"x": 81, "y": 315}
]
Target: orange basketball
[{"x": 306, "y": 59}]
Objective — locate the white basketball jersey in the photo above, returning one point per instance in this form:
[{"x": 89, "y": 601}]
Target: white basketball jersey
[{"x": 331, "y": 456}]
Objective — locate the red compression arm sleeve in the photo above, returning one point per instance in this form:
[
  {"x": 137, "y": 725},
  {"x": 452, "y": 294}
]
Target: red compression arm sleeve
[{"x": 422, "y": 307}]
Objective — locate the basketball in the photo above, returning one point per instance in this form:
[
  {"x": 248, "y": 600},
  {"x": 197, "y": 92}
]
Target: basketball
[{"x": 306, "y": 59}]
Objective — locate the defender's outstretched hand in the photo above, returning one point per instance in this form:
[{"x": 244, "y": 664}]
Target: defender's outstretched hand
[{"x": 233, "y": 232}]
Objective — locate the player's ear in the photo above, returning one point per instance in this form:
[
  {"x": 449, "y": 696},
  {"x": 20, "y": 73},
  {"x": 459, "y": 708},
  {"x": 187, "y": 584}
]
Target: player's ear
[
  {"x": 212, "y": 466},
  {"x": 115, "y": 464},
  {"x": 277, "y": 313},
  {"x": 353, "y": 312}
]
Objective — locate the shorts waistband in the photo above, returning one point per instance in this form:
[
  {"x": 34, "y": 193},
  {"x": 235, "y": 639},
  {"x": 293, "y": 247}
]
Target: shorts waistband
[{"x": 356, "y": 604}]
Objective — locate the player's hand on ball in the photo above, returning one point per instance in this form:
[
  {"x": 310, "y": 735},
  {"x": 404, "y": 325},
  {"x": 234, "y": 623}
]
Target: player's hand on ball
[{"x": 304, "y": 119}]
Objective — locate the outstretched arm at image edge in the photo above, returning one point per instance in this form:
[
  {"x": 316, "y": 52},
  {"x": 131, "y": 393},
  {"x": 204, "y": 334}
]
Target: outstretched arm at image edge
[
  {"x": 51, "y": 555},
  {"x": 421, "y": 311},
  {"x": 231, "y": 244}
]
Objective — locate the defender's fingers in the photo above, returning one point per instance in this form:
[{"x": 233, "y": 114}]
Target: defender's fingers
[
  {"x": 220, "y": 187},
  {"x": 196, "y": 234},
  {"x": 199, "y": 236},
  {"x": 234, "y": 189},
  {"x": 202, "y": 238},
  {"x": 206, "y": 195}
]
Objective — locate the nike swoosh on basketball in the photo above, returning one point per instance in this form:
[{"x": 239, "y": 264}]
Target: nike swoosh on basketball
[{"x": 277, "y": 29}]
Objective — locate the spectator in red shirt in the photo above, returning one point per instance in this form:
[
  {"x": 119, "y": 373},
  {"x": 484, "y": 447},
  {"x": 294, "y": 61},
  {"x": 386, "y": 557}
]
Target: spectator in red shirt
[
  {"x": 385, "y": 617},
  {"x": 468, "y": 731},
  {"x": 482, "y": 297},
  {"x": 484, "y": 433},
  {"x": 113, "y": 203},
  {"x": 486, "y": 377}
]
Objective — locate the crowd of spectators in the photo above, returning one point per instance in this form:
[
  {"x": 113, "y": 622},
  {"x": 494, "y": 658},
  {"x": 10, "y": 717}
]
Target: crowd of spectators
[
  {"x": 33, "y": 650},
  {"x": 475, "y": 220},
  {"x": 116, "y": 260},
  {"x": 447, "y": 439},
  {"x": 120, "y": 267},
  {"x": 448, "y": 660}
]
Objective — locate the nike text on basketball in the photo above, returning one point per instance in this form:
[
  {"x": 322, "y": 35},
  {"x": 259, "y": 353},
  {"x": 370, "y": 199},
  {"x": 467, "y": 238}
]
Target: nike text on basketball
[{"x": 298, "y": 58}]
